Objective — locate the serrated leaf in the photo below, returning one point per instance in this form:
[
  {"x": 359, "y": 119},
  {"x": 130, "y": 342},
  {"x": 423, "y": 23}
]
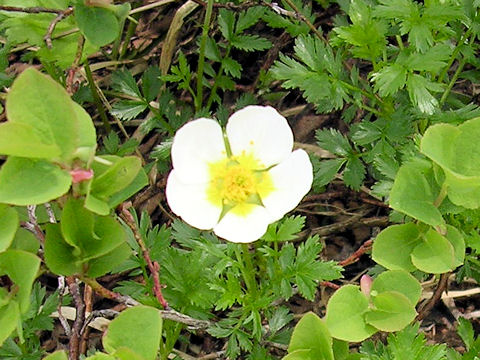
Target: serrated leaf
[
  {"x": 123, "y": 81},
  {"x": 232, "y": 67},
  {"x": 419, "y": 90},
  {"x": 250, "y": 43},
  {"x": 390, "y": 79},
  {"x": 128, "y": 109},
  {"x": 249, "y": 18},
  {"x": 332, "y": 140},
  {"x": 326, "y": 171},
  {"x": 354, "y": 173}
]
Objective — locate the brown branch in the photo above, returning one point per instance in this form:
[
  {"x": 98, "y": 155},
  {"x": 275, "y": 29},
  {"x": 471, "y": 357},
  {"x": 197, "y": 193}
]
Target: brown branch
[
  {"x": 74, "y": 343},
  {"x": 169, "y": 314},
  {"x": 425, "y": 309},
  {"x": 367, "y": 245},
  {"x": 31, "y": 10},
  {"x": 152, "y": 265},
  {"x": 62, "y": 15}
]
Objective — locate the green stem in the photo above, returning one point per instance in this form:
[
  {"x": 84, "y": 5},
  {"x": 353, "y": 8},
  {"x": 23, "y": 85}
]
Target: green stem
[
  {"x": 452, "y": 82},
  {"x": 246, "y": 268},
  {"x": 96, "y": 98},
  {"x": 441, "y": 196},
  {"x": 201, "y": 55},
  {"x": 215, "y": 82},
  {"x": 455, "y": 53}
]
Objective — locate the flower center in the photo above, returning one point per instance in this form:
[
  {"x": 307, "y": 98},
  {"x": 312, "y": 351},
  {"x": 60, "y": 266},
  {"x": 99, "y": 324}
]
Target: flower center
[{"x": 238, "y": 182}]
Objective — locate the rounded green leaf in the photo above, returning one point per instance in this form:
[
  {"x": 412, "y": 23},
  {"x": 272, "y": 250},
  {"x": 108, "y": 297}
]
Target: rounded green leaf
[
  {"x": 345, "y": 315},
  {"x": 101, "y": 356},
  {"x": 300, "y": 355},
  {"x": 77, "y": 223},
  {"x": 458, "y": 243},
  {"x": 393, "y": 246},
  {"x": 26, "y": 241},
  {"x": 22, "y": 268},
  {"x": 59, "y": 256},
  {"x": 8, "y": 224},
  {"x": 99, "y": 25},
  {"x": 435, "y": 254},
  {"x": 101, "y": 265},
  {"x": 398, "y": 280},
  {"x": 412, "y": 192},
  {"x": 58, "y": 355},
  {"x": 43, "y": 104},
  {"x": 9, "y": 318},
  {"x": 27, "y": 182},
  {"x": 312, "y": 334},
  {"x": 454, "y": 148},
  {"x": 19, "y": 139},
  {"x": 392, "y": 311},
  {"x": 138, "y": 329},
  {"x": 110, "y": 179}
]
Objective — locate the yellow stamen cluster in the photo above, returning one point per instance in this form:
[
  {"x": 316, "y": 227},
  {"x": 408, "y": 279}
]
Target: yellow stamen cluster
[{"x": 238, "y": 181}]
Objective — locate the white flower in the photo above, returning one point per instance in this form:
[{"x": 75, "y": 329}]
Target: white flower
[{"x": 239, "y": 181}]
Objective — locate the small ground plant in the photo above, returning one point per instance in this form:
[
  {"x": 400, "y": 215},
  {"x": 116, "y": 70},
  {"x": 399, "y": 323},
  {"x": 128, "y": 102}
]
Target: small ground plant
[{"x": 174, "y": 178}]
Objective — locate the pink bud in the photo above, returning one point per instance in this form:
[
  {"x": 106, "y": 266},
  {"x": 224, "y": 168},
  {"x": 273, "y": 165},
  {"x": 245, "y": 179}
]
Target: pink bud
[
  {"x": 79, "y": 175},
  {"x": 366, "y": 284}
]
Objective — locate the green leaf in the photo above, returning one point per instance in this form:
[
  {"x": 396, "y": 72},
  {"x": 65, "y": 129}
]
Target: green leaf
[
  {"x": 250, "y": 43},
  {"x": 393, "y": 246},
  {"x": 27, "y": 182},
  {"x": 124, "y": 82},
  {"x": 58, "y": 355},
  {"x": 23, "y": 140},
  {"x": 456, "y": 239},
  {"x": 128, "y": 109},
  {"x": 312, "y": 334},
  {"x": 38, "y": 101},
  {"x": 110, "y": 179},
  {"x": 392, "y": 311},
  {"x": 249, "y": 18},
  {"x": 419, "y": 89},
  {"x": 143, "y": 320},
  {"x": 434, "y": 254},
  {"x": 21, "y": 267},
  {"x": 99, "y": 266},
  {"x": 354, "y": 173},
  {"x": 412, "y": 193},
  {"x": 102, "y": 356},
  {"x": 454, "y": 149},
  {"x": 400, "y": 281},
  {"x": 390, "y": 79},
  {"x": 59, "y": 256},
  {"x": 232, "y": 67},
  {"x": 9, "y": 318},
  {"x": 299, "y": 355},
  {"x": 99, "y": 25},
  {"x": 138, "y": 183},
  {"x": 332, "y": 140},
  {"x": 466, "y": 332},
  {"x": 77, "y": 223},
  {"x": 9, "y": 223},
  {"x": 327, "y": 170},
  {"x": 345, "y": 315}
]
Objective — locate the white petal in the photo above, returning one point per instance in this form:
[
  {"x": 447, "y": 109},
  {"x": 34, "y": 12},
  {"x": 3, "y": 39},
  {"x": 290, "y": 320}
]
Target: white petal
[
  {"x": 189, "y": 201},
  {"x": 196, "y": 144},
  {"x": 261, "y": 130},
  {"x": 243, "y": 228},
  {"x": 292, "y": 179}
]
